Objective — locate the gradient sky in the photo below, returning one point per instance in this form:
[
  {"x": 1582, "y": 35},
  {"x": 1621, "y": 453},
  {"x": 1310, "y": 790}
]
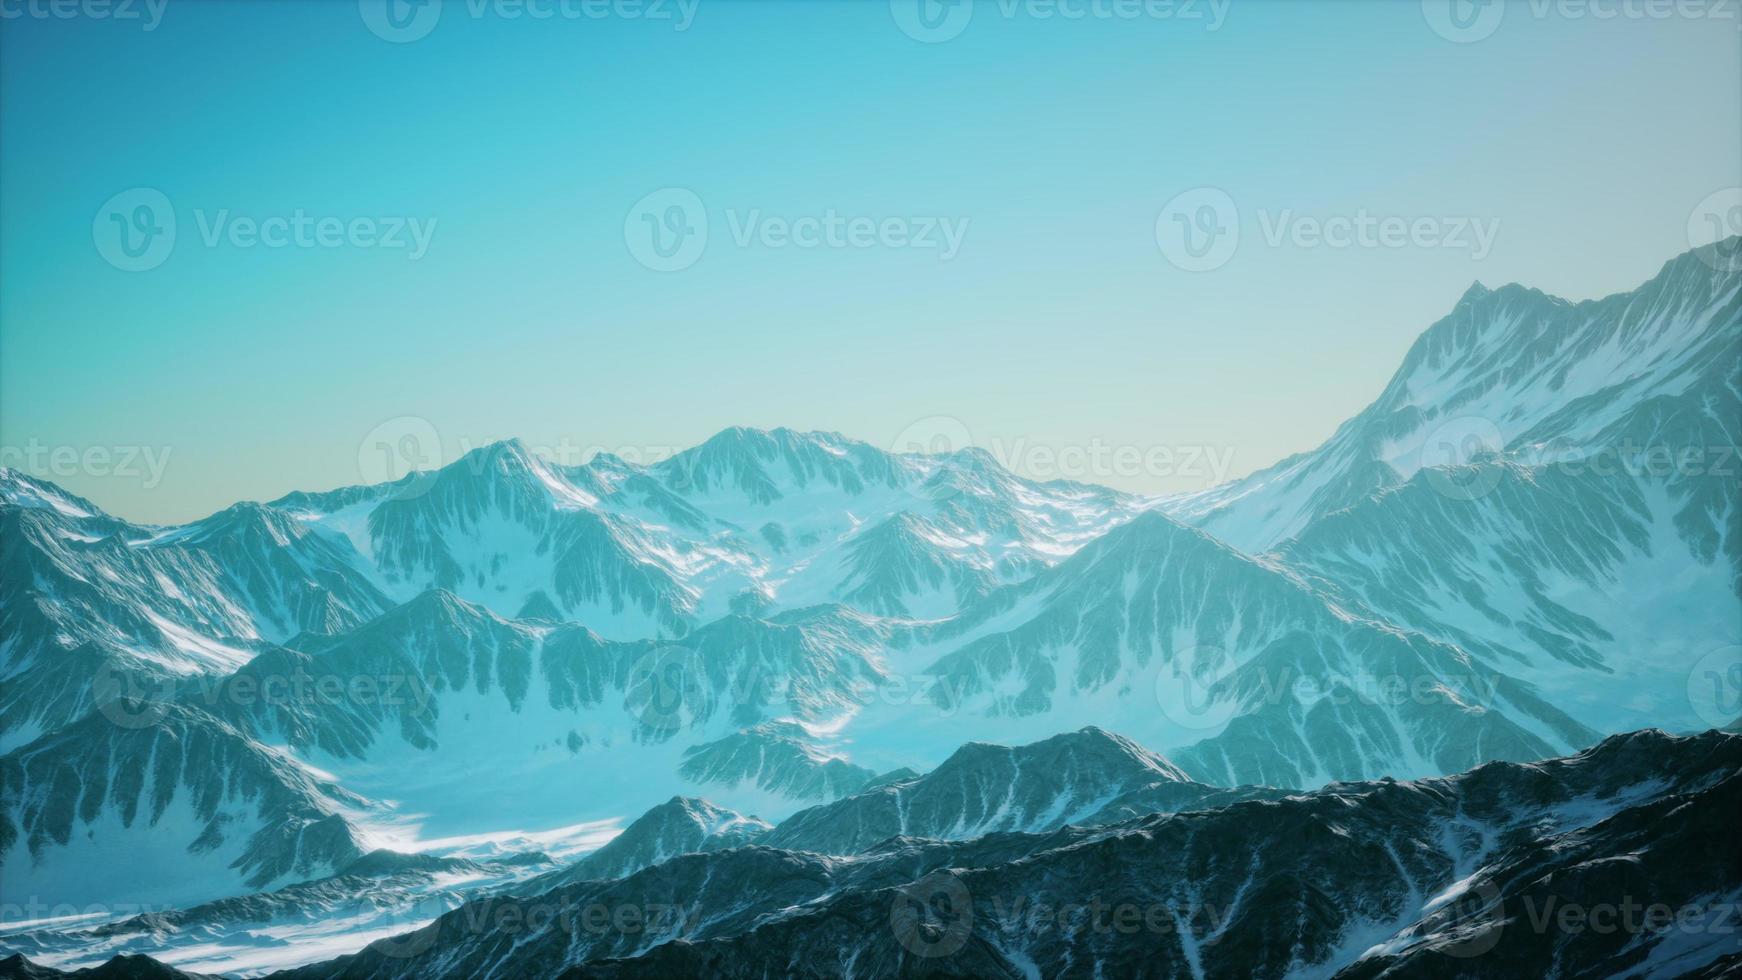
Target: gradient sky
[{"x": 1058, "y": 323}]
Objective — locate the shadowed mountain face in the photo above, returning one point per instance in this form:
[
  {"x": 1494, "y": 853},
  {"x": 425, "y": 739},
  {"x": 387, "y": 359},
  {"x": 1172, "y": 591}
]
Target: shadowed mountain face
[
  {"x": 1455, "y": 876},
  {"x": 16, "y": 967},
  {"x": 1155, "y": 615},
  {"x": 681, "y": 825},
  {"x": 1076, "y": 778},
  {"x": 199, "y": 807}
]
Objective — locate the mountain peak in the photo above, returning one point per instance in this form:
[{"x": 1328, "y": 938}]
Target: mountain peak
[
  {"x": 19, "y": 489},
  {"x": 766, "y": 465}
]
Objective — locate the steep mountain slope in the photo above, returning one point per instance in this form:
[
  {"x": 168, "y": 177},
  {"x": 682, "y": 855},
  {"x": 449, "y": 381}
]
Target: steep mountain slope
[
  {"x": 1289, "y": 688},
  {"x": 1514, "y": 369},
  {"x": 681, "y": 825},
  {"x": 982, "y": 789},
  {"x": 907, "y": 564},
  {"x": 1577, "y": 581},
  {"x": 166, "y": 804},
  {"x": 778, "y": 757},
  {"x": 1443, "y": 875},
  {"x": 479, "y": 723},
  {"x": 92, "y": 607}
]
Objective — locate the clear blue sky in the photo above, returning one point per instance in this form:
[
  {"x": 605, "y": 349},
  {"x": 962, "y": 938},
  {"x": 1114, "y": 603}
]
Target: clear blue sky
[{"x": 1059, "y": 321}]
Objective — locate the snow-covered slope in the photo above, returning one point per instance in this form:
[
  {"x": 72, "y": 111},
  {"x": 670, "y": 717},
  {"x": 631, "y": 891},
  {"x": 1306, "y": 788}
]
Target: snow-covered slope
[
  {"x": 749, "y": 521},
  {"x": 1177, "y": 639},
  {"x": 681, "y": 825},
  {"x": 171, "y": 806},
  {"x": 472, "y": 722},
  {"x": 378, "y": 894},
  {"x": 1515, "y": 369},
  {"x": 1584, "y": 583},
  {"x": 92, "y": 607}
]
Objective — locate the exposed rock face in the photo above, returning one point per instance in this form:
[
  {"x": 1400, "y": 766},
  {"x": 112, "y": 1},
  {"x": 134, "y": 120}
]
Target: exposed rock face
[{"x": 1447, "y": 876}]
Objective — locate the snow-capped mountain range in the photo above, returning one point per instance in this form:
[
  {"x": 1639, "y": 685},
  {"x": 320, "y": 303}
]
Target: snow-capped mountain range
[{"x": 1491, "y": 562}]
